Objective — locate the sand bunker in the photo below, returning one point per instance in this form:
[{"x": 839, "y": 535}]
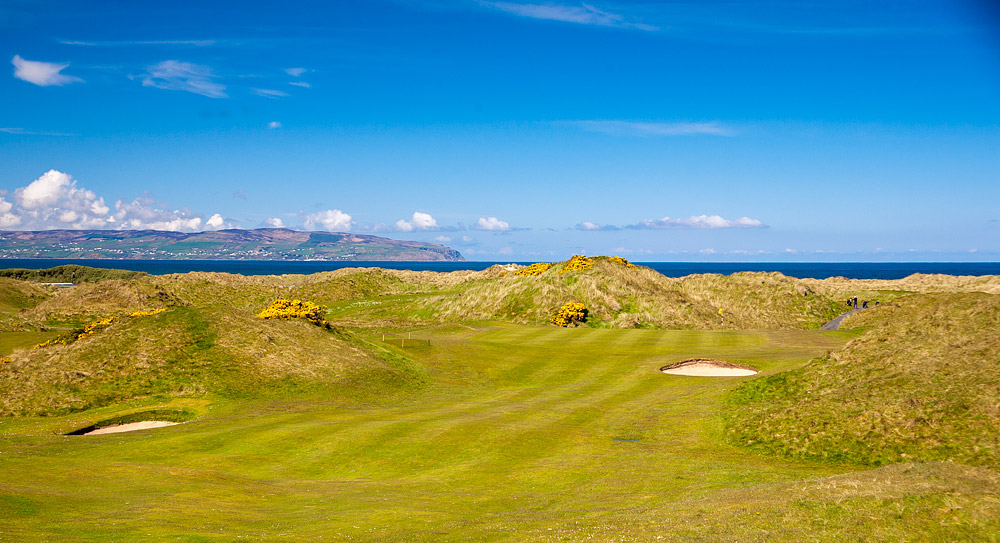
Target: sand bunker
[
  {"x": 706, "y": 367},
  {"x": 131, "y": 427}
]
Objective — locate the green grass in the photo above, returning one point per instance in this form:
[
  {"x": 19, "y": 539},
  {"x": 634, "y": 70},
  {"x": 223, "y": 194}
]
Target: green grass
[{"x": 519, "y": 434}]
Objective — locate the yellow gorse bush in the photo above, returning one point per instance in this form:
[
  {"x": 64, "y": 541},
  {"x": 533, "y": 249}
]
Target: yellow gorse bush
[
  {"x": 622, "y": 261},
  {"x": 569, "y": 313},
  {"x": 147, "y": 313},
  {"x": 93, "y": 327},
  {"x": 537, "y": 268},
  {"x": 577, "y": 263},
  {"x": 295, "y": 309}
]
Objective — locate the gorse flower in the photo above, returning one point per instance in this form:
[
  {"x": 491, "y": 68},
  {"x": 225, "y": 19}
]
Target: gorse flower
[
  {"x": 577, "y": 263},
  {"x": 94, "y": 327},
  {"x": 534, "y": 269},
  {"x": 569, "y": 313},
  {"x": 295, "y": 309}
]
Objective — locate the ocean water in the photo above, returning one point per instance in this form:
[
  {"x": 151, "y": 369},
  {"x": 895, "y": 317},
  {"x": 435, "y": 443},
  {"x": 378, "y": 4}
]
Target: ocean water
[{"x": 818, "y": 270}]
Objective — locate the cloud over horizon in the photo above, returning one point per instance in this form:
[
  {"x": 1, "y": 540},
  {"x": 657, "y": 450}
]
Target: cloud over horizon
[
  {"x": 419, "y": 221},
  {"x": 699, "y": 221},
  {"x": 492, "y": 224},
  {"x": 330, "y": 219},
  {"x": 43, "y": 74},
  {"x": 55, "y": 201}
]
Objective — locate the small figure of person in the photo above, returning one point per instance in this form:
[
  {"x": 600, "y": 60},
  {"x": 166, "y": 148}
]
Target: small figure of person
[
  {"x": 850, "y": 302},
  {"x": 876, "y": 302},
  {"x": 864, "y": 305}
]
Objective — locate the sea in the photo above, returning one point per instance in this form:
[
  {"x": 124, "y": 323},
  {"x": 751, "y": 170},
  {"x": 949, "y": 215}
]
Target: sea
[{"x": 817, "y": 270}]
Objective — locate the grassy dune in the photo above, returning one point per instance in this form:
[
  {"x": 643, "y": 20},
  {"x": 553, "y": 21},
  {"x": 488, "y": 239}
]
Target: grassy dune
[
  {"x": 921, "y": 383},
  {"x": 618, "y": 297},
  {"x": 495, "y": 429}
]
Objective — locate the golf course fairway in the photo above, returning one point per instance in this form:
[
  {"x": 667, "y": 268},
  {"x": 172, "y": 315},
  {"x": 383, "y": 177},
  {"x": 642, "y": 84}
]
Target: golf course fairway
[{"x": 524, "y": 433}]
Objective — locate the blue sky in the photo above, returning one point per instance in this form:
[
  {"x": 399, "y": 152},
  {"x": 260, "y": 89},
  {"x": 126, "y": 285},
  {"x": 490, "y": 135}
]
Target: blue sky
[{"x": 679, "y": 131}]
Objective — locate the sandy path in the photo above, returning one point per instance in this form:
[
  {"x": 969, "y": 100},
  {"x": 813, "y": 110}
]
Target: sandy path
[{"x": 131, "y": 427}]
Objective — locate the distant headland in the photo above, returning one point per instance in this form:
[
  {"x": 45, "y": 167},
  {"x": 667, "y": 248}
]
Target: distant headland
[{"x": 260, "y": 244}]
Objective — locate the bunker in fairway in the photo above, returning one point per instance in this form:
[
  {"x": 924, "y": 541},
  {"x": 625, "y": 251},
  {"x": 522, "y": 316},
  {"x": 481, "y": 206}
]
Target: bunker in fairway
[
  {"x": 144, "y": 420},
  {"x": 707, "y": 367}
]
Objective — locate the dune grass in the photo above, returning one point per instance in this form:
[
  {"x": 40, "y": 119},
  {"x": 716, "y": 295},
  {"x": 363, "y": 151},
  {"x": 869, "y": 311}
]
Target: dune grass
[
  {"x": 522, "y": 433},
  {"x": 921, "y": 383}
]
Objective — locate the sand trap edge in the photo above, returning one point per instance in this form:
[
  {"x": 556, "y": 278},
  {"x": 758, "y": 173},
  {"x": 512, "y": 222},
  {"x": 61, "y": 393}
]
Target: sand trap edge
[
  {"x": 708, "y": 367},
  {"x": 131, "y": 427}
]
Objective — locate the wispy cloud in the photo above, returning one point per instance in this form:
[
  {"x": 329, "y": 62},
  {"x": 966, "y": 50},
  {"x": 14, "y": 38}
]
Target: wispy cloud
[
  {"x": 581, "y": 14},
  {"x": 43, "y": 74},
  {"x": 183, "y": 76},
  {"x": 26, "y": 132},
  {"x": 697, "y": 222},
  {"x": 295, "y": 72},
  {"x": 269, "y": 93},
  {"x": 129, "y": 43},
  {"x": 300, "y": 84},
  {"x": 274, "y": 124},
  {"x": 648, "y": 129}
]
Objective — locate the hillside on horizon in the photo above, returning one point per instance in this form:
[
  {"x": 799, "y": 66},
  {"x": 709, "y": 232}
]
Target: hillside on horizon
[{"x": 230, "y": 244}]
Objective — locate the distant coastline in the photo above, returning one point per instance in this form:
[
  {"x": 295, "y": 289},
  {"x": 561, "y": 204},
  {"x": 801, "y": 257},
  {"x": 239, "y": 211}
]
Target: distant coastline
[{"x": 816, "y": 270}]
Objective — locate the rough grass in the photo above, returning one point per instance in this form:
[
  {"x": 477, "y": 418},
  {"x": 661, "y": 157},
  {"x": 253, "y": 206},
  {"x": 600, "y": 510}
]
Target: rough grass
[
  {"x": 617, "y": 297},
  {"x": 70, "y": 273},
  {"x": 920, "y": 384},
  {"x": 189, "y": 351}
]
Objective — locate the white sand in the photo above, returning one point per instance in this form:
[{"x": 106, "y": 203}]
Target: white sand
[
  {"x": 707, "y": 369},
  {"x": 131, "y": 427}
]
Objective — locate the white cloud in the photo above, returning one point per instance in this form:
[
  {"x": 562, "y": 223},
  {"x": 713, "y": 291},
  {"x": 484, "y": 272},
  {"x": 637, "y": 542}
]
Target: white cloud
[
  {"x": 142, "y": 214},
  {"x": 183, "y": 76},
  {"x": 582, "y": 14},
  {"x": 55, "y": 200},
  {"x": 215, "y": 222},
  {"x": 295, "y": 72},
  {"x": 43, "y": 74},
  {"x": 442, "y": 239},
  {"x": 467, "y": 239},
  {"x": 492, "y": 223},
  {"x": 506, "y": 251},
  {"x": 707, "y": 251},
  {"x": 419, "y": 221},
  {"x": 274, "y": 222},
  {"x": 587, "y": 225},
  {"x": 300, "y": 84},
  {"x": 330, "y": 219},
  {"x": 642, "y": 128},
  {"x": 274, "y": 124},
  {"x": 699, "y": 221},
  {"x": 269, "y": 93}
]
